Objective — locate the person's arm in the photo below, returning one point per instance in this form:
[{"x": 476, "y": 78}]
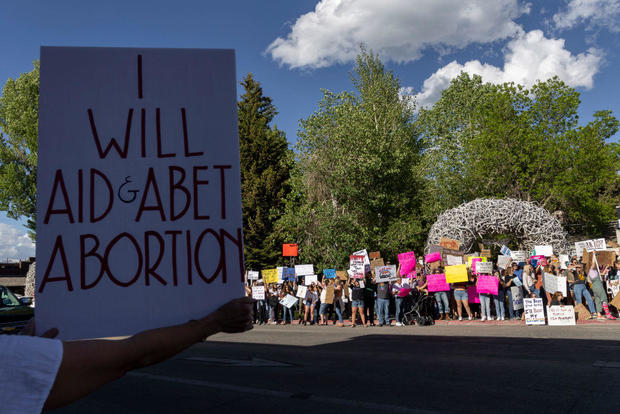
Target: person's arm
[{"x": 89, "y": 364}]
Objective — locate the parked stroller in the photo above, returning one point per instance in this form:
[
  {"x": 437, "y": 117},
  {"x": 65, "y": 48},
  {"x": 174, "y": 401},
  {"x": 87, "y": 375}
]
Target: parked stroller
[{"x": 418, "y": 308}]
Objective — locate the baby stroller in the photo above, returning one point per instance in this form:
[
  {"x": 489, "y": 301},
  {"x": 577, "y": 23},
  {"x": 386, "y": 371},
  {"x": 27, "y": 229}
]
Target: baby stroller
[{"x": 418, "y": 309}]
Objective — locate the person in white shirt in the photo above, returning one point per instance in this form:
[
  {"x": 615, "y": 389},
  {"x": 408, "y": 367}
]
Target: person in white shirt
[{"x": 43, "y": 373}]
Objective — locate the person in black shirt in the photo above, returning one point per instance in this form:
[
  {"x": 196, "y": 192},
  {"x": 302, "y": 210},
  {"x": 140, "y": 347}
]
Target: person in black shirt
[{"x": 357, "y": 303}]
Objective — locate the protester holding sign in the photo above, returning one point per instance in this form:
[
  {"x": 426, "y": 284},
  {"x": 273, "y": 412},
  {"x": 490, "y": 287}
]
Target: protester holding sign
[
  {"x": 579, "y": 287},
  {"x": 595, "y": 276},
  {"x": 529, "y": 281},
  {"x": 508, "y": 279},
  {"x": 357, "y": 303},
  {"x": 462, "y": 300},
  {"x": 383, "y": 303},
  {"x": 310, "y": 303},
  {"x": 338, "y": 302},
  {"x": 58, "y": 373},
  {"x": 498, "y": 299}
]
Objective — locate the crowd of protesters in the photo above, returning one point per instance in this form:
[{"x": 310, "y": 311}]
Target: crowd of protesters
[{"x": 359, "y": 300}]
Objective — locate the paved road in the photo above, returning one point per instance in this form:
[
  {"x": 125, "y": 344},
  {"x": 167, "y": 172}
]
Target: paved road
[{"x": 456, "y": 368}]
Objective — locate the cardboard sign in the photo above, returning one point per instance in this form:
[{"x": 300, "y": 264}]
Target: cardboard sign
[
  {"x": 456, "y": 273},
  {"x": 407, "y": 263},
  {"x": 270, "y": 276},
  {"x": 437, "y": 283},
  {"x": 453, "y": 260},
  {"x": 138, "y": 190},
  {"x": 342, "y": 275},
  {"x": 487, "y": 284},
  {"x": 517, "y": 297},
  {"x": 376, "y": 263},
  {"x": 310, "y": 279},
  {"x": 303, "y": 270},
  {"x": 385, "y": 274},
  {"x": 374, "y": 255},
  {"x": 258, "y": 292},
  {"x": 545, "y": 250},
  {"x": 302, "y": 291},
  {"x": 554, "y": 284},
  {"x": 503, "y": 261},
  {"x": 329, "y": 273},
  {"x": 606, "y": 257},
  {"x": 519, "y": 256},
  {"x": 449, "y": 243},
  {"x": 289, "y": 301},
  {"x": 357, "y": 269},
  {"x": 534, "y": 311},
  {"x": 505, "y": 250},
  {"x": 329, "y": 295},
  {"x": 252, "y": 275},
  {"x": 560, "y": 315},
  {"x": 289, "y": 250},
  {"x": 485, "y": 253},
  {"x": 484, "y": 268},
  {"x": 582, "y": 313},
  {"x": 472, "y": 295}
]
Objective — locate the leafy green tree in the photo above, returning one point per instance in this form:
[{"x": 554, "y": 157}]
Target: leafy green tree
[
  {"x": 265, "y": 164},
  {"x": 19, "y": 106},
  {"x": 356, "y": 184},
  {"x": 489, "y": 140}
]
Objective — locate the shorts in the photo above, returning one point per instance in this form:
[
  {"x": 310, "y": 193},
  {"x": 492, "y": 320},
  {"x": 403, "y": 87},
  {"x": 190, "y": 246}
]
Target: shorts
[
  {"x": 460, "y": 295},
  {"x": 357, "y": 303},
  {"x": 308, "y": 303},
  {"x": 323, "y": 309}
]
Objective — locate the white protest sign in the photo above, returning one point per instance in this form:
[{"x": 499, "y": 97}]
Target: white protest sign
[
  {"x": 560, "y": 315},
  {"x": 385, "y": 273},
  {"x": 517, "y": 297},
  {"x": 503, "y": 261},
  {"x": 505, "y": 250},
  {"x": 553, "y": 283},
  {"x": 138, "y": 192},
  {"x": 545, "y": 250},
  {"x": 519, "y": 256},
  {"x": 303, "y": 270},
  {"x": 301, "y": 291},
  {"x": 364, "y": 253},
  {"x": 357, "y": 269},
  {"x": 484, "y": 268},
  {"x": 579, "y": 246},
  {"x": 310, "y": 279},
  {"x": 289, "y": 301},
  {"x": 534, "y": 311},
  {"x": 252, "y": 275},
  {"x": 590, "y": 246},
  {"x": 258, "y": 292},
  {"x": 453, "y": 260},
  {"x": 563, "y": 260},
  {"x": 613, "y": 287}
]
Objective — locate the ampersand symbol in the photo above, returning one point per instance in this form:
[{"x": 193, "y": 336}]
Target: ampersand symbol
[{"x": 132, "y": 192}]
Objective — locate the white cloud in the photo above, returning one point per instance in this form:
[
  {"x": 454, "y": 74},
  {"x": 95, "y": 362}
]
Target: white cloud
[
  {"x": 594, "y": 13},
  {"x": 398, "y": 30},
  {"x": 14, "y": 243},
  {"x": 529, "y": 57}
]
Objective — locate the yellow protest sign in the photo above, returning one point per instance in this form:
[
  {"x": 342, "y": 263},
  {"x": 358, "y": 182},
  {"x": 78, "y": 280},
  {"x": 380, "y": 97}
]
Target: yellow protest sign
[
  {"x": 470, "y": 258},
  {"x": 270, "y": 276},
  {"x": 456, "y": 273}
]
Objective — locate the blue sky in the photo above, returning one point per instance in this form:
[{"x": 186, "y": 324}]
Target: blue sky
[{"x": 296, "y": 48}]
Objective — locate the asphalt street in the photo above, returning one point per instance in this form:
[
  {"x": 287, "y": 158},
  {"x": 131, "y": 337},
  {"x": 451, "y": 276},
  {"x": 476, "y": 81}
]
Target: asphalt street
[{"x": 451, "y": 368}]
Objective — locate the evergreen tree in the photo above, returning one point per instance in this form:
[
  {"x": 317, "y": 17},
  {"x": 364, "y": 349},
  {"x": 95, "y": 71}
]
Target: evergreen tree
[{"x": 265, "y": 163}]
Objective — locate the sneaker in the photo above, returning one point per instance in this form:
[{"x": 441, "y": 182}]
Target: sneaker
[
  {"x": 469, "y": 318},
  {"x": 461, "y": 318},
  {"x": 482, "y": 319},
  {"x": 399, "y": 324},
  {"x": 502, "y": 319},
  {"x": 611, "y": 317}
]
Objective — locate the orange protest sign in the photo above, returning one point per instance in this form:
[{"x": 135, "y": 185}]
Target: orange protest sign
[{"x": 289, "y": 249}]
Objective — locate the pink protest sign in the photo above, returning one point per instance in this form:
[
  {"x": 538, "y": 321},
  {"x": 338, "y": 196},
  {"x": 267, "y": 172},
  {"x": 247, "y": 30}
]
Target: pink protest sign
[
  {"x": 472, "y": 295},
  {"x": 432, "y": 257},
  {"x": 437, "y": 283},
  {"x": 487, "y": 284},
  {"x": 407, "y": 262}
]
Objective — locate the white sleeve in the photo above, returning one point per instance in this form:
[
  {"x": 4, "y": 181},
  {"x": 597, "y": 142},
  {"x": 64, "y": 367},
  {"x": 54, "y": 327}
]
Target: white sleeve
[{"x": 28, "y": 368}]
